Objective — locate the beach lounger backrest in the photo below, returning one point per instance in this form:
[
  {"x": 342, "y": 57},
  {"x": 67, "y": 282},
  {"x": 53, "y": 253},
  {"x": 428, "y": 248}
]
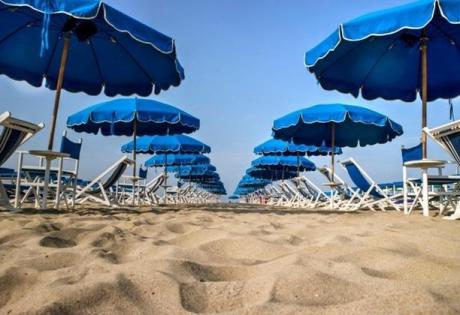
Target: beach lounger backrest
[
  {"x": 157, "y": 183},
  {"x": 412, "y": 154},
  {"x": 448, "y": 136},
  {"x": 15, "y": 132},
  {"x": 143, "y": 172},
  {"x": 342, "y": 188},
  {"x": 359, "y": 177},
  {"x": 70, "y": 147},
  {"x": 117, "y": 171}
]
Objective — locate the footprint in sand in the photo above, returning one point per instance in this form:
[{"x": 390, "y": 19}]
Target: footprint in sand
[
  {"x": 56, "y": 242},
  {"x": 13, "y": 281},
  {"x": 51, "y": 262},
  {"x": 217, "y": 297}
]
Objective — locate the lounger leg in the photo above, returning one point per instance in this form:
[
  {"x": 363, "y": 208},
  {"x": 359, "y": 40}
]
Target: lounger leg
[
  {"x": 18, "y": 180},
  {"x": 45, "y": 185},
  {"x": 405, "y": 190},
  {"x": 426, "y": 211}
]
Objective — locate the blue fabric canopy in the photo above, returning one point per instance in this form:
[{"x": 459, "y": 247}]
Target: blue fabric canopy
[
  {"x": 198, "y": 177},
  {"x": 378, "y": 54},
  {"x": 280, "y": 147},
  {"x": 353, "y": 125},
  {"x": 117, "y": 117},
  {"x": 249, "y": 181},
  {"x": 108, "y": 49},
  {"x": 192, "y": 170},
  {"x": 284, "y": 162},
  {"x": 167, "y": 144},
  {"x": 270, "y": 174},
  {"x": 159, "y": 160}
]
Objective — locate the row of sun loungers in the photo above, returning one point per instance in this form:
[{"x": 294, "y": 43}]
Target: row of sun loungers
[{"x": 23, "y": 187}]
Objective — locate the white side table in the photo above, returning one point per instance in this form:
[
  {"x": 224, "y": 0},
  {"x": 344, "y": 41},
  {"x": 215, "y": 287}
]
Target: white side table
[{"x": 424, "y": 165}]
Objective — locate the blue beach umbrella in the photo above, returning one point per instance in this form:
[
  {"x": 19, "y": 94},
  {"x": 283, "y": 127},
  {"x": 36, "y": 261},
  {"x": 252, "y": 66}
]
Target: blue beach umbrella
[
  {"x": 336, "y": 125},
  {"x": 198, "y": 176},
  {"x": 280, "y": 147},
  {"x": 129, "y": 116},
  {"x": 192, "y": 170},
  {"x": 167, "y": 145},
  {"x": 249, "y": 181},
  {"x": 84, "y": 46},
  {"x": 394, "y": 54},
  {"x": 283, "y": 163},
  {"x": 270, "y": 174},
  {"x": 161, "y": 160},
  {"x": 132, "y": 117}
]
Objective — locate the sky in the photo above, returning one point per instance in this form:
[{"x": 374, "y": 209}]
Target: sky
[{"x": 244, "y": 67}]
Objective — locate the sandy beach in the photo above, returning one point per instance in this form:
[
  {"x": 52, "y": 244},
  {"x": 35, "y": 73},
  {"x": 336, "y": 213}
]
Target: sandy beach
[{"x": 228, "y": 260}]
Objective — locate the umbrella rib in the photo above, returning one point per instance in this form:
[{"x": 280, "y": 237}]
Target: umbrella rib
[
  {"x": 13, "y": 33},
  {"x": 386, "y": 50},
  {"x": 52, "y": 56},
  {"x": 132, "y": 58},
  {"x": 444, "y": 33},
  {"x": 340, "y": 58},
  {"x": 99, "y": 70}
]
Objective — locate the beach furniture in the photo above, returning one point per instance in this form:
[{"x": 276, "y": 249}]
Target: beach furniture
[
  {"x": 60, "y": 182},
  {"x": 344, "y": 195},
  {"x": 15, "y": 132},
  {"x": 370, "y": 194},
  {"x": 152, "y": 187},
  {"x": 99, "y": 189},
  {"x": 318, "y": 197},
  {"x": 448, "y": 137},
  {"x": 336, "y": 125},
  {"x": 134, "y": 117}
]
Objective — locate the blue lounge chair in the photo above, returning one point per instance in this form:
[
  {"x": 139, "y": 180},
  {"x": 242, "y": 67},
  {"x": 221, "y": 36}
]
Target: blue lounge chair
[
  {"x": 15, "y": 133},
  {"x": 370, "y": 194}
]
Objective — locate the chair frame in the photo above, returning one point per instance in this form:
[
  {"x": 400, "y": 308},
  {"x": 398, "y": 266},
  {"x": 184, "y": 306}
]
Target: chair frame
[
  {"x": 30, "y": 129},
  {"x": 365, "y": 198}
]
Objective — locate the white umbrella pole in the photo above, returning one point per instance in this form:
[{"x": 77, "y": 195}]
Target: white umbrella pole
[
  {"x": 134, "y": 157},
  {"x": 424, "y": 88},
  {"x": 332, "y": 164},
  {"x": 57, "y": 98}
]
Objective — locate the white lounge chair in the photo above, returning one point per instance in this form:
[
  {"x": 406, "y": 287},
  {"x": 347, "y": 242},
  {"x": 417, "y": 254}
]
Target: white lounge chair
[
  {"x": 15, "y": 133},
  {"x": 98, "y": 190},
  {"x": 448, "y": 137},
  {"x": 370, "y": 194}
]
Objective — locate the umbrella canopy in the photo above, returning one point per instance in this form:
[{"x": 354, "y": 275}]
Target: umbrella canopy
[
  {"x": 129, "y": 116},
  {"x": 198, "y": 177},
  {"x": 84, "y": 46},
  {"x": 159, "y": 160},
  {"x": 249, "y": 181},
  {"x": 386, "y": 56},
  {"x": 234, "y": 197},
  {"x": 275, "y": 162},
  {"x": 394, "y": 54},
  {"x": 280, "y": 147},
  {"x": 167, "y": 144},
  {"x": 192, "y": 170},
  {"x": 336, "y": 125},
  {"x": 351, "y": 126},
  {"x": 108, "y": 49},
  {"x": 273, "y": 175}
]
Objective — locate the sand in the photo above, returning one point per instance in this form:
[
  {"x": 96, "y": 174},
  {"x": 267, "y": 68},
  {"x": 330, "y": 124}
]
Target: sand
[{"x": 227, "y": 260}]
